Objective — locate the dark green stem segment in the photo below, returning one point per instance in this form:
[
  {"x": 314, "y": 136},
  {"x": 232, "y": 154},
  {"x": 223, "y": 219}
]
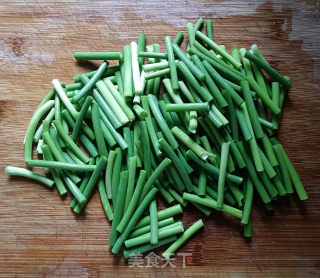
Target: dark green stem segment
[
  {"x": 74, "y": 190},
  {"x": 222, "y": 82},
  {"x": 154, "y": 176},
  {"x": 118, "y": 206},
  {"x": 222, "y": 173},
  {"x": 192, "y": 67},
  {"x": 183, "y": 107},
  {"x": 202, "y": 91},
  {"x": 212, "y": 170},
  {"x": 96, "y": 122},
  {"x": 172, "y": 64},
  {"x": 104, "y": 200},
  {"x": 216, "y": 48},
  {"x": 86, "y": 88},
  {"x": 101, "y": 165},
  {"x": 98, "y": 55},
  {"x": 134, "y": 219},
  {"x": 294, "y": 176},
  {"x": 61, "y": 165},
  {"x": 133, "y": 202},
  {"x": 152, "y": 55},
  {"x": 253, "y": 114},
  {"x": 164, "y": 232},
  {"x": 69, "y": 142},
  {"x": 141, "y": 47},
  {"x": 147, "y": 247},
  {"x": 183, "y": 238},
  {"x": 162, "y": 214},
  {"x": 153, "y": 222},
  {"x": 253, "y": 175},
  {"x": 83, "y": 184},
  {"x": 212, "y": 204},
  {"x": 248, "y": 191},
  {"x": 54, "y": 172},
  {"x": 153, "y": 103},
  {"x": 283, "y": 169},
  {"x": 177, "y": 164},
  {"x": 108, "y": 72},
  {"x": 264, "y": 97},
  {"x": 178, "y": 39},
  {"x": 202, "y": 185},
  {"x": 209, "y": 29},
  {"x": 83, "y": 111},
  {"x": 275, "y": 75}
]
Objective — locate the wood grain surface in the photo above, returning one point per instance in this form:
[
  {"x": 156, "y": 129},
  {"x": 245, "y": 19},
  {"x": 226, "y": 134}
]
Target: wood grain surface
[{"x": 39, "y": 234}]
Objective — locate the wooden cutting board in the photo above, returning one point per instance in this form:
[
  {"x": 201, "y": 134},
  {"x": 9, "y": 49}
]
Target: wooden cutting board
[{"x": 39, "y": 234}]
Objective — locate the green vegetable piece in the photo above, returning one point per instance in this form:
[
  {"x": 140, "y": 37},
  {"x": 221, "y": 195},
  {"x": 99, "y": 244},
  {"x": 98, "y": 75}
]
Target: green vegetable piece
[
  {"x": 132, "y": 168},
  {"x": 146, "y": 147},
  {"x": 153, "y": 103},
  {"x": 104, "y": 200},
  {"x": 39, "y": 113},
  {"x": 162, "y": 214},
  {"x": 264, "y": 97},
  {"x": 93, "y": 80},
  {"x": 133, "y": 202},
  {"x": 191, "y": 144},
  {"x": 61, "y": 165},
  {"x": 283, "y": 168},
  {"x": 212, "y": 170},
  {"x": 247, "y": 230},
  {"x": 127, "y": 78},
  {"x": 96, "y": 122},
  {"x": 202, "y": 91},
  {"x": 146, "y": 229},
  {"x": 248, "y": 191},
  {"x": 101, "y": 165},
  {"x": 294, "y": 176},
  {"x": 164, "y": 232},
  {"x": 253, "y": 175},
  {"x": 221, "y": 81},
  {"x": 153, "y": 223},
  {"x": 118, "y": 207},
  {"x": 83, "y": 111},
  {"x": 212, "y": 204},
  {"x": 147, "y": 247},
  {"x": 202, "y": 185},
  {"x": 141, "y": 46},
  {"x": 192, "y": 67},
  {"x": 199, "y": 107},
  {"x": 154, "y": 176},
  {"x": 83, "y": 184},
  {"x": 251, "y": 109},
  {"x": 222, "y": 173},
  {"x": 261, "y": 63},
  {"x": 153, "y": 55},
  {"x": 134, "y": 219},
  {"x": 172, "y": 64},
  {"x": 109, "y": 98},
  {"x": 209, "y": 29},
  {"x": 21, "y": 172},
  {"x": 69, "y": 142},
  {"x": 178, "y": 39},
  {"x": 218, "y": 49},
  {"x": 183, "y": 238},
  {"x": 54, "y": 172},
  {"x": 98, "y": 55}
]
